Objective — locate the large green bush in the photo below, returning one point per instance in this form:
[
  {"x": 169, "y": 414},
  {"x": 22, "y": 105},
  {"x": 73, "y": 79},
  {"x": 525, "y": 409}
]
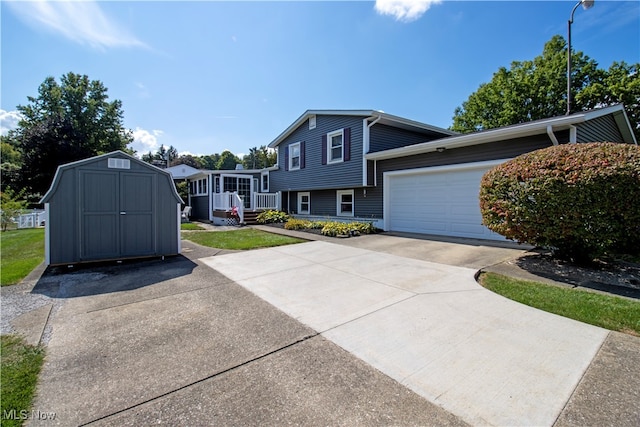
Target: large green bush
[
  {"x": 581, "y": 200},
  {"x": 271, "y": 217}
]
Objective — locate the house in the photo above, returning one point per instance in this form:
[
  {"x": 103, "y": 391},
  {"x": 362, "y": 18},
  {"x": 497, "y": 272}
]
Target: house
[
  {"x": 110, "y": 207},
  {"x": 229, "y": 197},
  {"x": 408, "y": 176}
]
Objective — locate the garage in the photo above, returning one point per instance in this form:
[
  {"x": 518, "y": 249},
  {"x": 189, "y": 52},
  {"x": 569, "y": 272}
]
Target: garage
[
  {"x": 439, "y": 200},
  {"x": 110, "y": 207}
]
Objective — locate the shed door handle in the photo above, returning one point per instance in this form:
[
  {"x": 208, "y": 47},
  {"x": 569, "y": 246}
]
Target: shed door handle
[{"x": 123, "y": 213}]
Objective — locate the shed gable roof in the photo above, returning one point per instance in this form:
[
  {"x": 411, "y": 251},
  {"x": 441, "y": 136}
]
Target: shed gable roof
[{"x": 114, "y": 154}]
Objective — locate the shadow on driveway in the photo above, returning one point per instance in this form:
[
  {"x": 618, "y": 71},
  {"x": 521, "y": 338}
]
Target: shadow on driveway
[{"x": 89, "y": 279}]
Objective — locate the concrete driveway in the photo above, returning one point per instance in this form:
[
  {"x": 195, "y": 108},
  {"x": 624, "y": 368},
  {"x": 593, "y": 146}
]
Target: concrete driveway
[
  {"x": 322, "y": 334},
  {"x": 174, "y": 342},
  {"x": 429, "y": 326}
]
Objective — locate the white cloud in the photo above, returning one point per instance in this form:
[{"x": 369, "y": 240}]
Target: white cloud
[
  {"x": 83, "y": 22},
  {"x": 145, "y": 141},
  {"x": 404, "y": 10},
  {"x": 9, "y": 121}
]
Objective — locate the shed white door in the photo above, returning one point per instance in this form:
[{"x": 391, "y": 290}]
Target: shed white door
[{"x": 436, "y": 201}]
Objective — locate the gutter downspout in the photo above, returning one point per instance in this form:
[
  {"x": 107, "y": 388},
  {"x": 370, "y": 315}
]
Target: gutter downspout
[
  {"x": 573, "y": 134},
  {"x": 366, "y": 126},
  {"x": 552, "y": 136}
]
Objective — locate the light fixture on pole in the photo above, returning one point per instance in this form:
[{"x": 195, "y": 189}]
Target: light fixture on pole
[{"x": 586, "y": 4}]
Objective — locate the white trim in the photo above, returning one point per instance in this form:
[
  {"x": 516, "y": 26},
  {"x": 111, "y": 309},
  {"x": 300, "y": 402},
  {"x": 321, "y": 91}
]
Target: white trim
[
  {"x": 386, "y": 176},
  {"x": 330, "y": 135},
  {"x": 339, "y": 202},
  {"x": 290, "y": 148},
  {"x": 573, "y": 134},
  {"x": 312, "y": 121},
  {"x": 388, "y": 118},
  {"x": 492, "y": 135},
  {"x": 264, "y": 189},
  {"x": 47, "y": 235},
  {"x": 179, "y": 223},
  {"x": 300, "y": 195}
]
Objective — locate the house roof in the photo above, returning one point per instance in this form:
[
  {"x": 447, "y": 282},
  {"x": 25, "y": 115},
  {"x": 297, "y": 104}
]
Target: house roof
[
  {"x": 181, "y": 171},
  {"x": 119, "y": 154},
  {"x": 384, "y": 118},
  {"x": 536, "y": 127}
]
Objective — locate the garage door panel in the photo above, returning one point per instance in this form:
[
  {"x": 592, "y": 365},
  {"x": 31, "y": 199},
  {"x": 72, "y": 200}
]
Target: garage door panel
[{"x": 441, "y": 203}]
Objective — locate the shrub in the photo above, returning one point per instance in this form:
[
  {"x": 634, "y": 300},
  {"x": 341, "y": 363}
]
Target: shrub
[
  {"x": 269, "y": 217},
  {"x": 337, "y": 228},
  {"x": 297, "y": 224},
  {"x": 581, "y": 200}
]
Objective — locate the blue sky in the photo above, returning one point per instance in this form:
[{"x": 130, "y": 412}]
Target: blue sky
[{"x": 206, "y": 76}]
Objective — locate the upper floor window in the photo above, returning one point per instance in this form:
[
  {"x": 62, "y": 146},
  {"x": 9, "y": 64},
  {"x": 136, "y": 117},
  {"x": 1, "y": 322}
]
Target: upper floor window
[
  {"x": 312, "y": 122},
  {"x": 335, "y": 147},
  {"x": 294, "y": 156}
]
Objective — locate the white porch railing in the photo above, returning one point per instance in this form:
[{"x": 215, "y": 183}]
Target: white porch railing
[
  {"x": 227, "y": 202},
  {"x": 265, "y": 201}
]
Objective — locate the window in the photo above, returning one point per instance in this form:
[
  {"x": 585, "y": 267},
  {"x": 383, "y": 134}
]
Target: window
[
  {"x": 294, "y": 156},
  {"x": 345, "y": 202},
  {"x": 304, "y": 203},
  {"x": 198, "y": 187},
  {"x": 335, "y": 147},
  {"x": 264, "y": 179},
  {"x": 312, "y": 122}
]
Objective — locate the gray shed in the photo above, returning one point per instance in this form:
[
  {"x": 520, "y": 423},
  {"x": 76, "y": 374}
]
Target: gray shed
[{"x": 110, "y": 207}]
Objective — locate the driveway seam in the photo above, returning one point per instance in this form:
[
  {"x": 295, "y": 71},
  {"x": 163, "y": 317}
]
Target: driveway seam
[
  {"x": 183, "y": 387},
  {"x": 155, "y": 298}
]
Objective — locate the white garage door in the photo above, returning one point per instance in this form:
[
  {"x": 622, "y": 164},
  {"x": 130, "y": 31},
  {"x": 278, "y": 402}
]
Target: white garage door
[{"x": 440, "y": 201}]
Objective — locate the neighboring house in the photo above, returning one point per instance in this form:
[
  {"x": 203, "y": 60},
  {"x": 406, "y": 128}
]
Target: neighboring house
[
  {"x": 181, "y": 172},
  {"x": 408, "y": 176}
]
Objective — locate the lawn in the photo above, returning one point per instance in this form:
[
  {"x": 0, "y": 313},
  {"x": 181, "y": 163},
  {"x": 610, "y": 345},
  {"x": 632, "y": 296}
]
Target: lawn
[
  {"x": 190, "y": 226},
  {"x": 22, "y": 251},
  {"x": 609, "y": 312},
  {"x": 243, "y": 239},
  {"x": 20, "y": 364}
]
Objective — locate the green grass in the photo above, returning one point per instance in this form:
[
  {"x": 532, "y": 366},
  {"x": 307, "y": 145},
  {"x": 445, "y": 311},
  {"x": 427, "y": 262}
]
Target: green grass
[
  {"x": 21, "y": 365},
  {"x": 190, "y": 226},
  {"x": 22, "y": 251},
  {"x": 609, "y": 312},
  {"x": 247, "y": 238}
]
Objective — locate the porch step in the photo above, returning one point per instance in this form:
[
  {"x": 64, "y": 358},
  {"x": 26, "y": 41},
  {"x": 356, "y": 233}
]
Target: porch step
[{"x": 250, "y": 217}]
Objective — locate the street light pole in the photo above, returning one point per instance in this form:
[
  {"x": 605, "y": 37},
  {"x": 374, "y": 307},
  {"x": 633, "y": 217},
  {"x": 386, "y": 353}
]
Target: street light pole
[{"x": 586, "y": 4}]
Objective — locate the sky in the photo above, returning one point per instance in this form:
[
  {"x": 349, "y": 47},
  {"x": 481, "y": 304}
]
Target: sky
[{"x": 209, "y": 76}]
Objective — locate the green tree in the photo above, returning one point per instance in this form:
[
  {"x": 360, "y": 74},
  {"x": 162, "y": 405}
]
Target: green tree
[
  {"x": 11, "y": 205},
  {"x": 189, "y": 160},
  {"x": 210, "y": 161},
  {"x": 531, "y": 90},
  {"x": 228, "y": 161},
  {"x": 11, "y": 163},
  {"x": 69, "y": 121}
]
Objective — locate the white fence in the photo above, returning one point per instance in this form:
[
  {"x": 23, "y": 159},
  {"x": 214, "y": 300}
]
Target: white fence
[
  {"x": 265, "y": 201},
  {"x": 31, "y": 219}
]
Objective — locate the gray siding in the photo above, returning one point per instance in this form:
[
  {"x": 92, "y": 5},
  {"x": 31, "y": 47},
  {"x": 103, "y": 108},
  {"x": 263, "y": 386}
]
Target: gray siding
[
  {"x": 325, "y": 203},
  {"x": 315, "y": 175},
  {"x": 602, "y": 129},
  {"x": 476, "y": 153},
  {"x": 85, "y": 201},
  {"x": 383, "y": 137}
]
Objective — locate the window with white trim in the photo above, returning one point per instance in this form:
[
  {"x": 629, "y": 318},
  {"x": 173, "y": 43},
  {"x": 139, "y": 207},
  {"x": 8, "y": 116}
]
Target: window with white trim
[
  {"x": 304, "y": 203},
  {"x": 345, "y": 202},
  {"x": 264, "y": 182},
  {"x": 199, "y": 187},
  {"x": 294, "y": 156},
  {"x": 312, "y": 122},
  {"x": 335, "y": 146}
]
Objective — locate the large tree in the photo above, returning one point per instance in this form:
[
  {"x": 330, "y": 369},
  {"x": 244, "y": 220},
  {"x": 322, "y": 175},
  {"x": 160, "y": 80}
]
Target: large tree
[
  {"x": 68, "y": 121},
  {"x": 537, "y": 89}
]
